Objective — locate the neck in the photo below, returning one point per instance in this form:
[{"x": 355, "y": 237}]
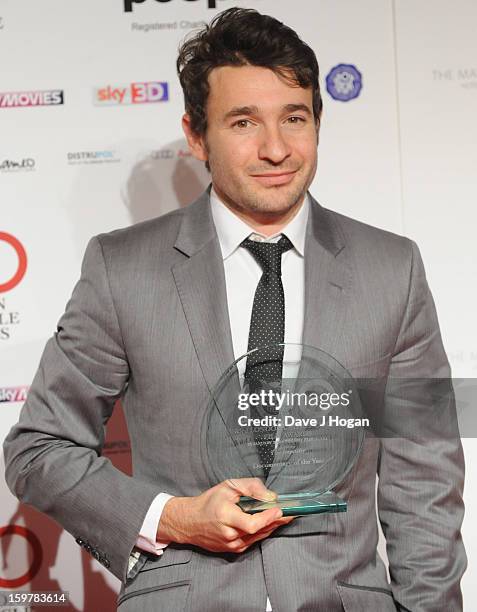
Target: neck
[{"x": 265, "y": 223}]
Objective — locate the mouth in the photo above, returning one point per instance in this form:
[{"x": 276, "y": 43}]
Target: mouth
[{"x": 275, "y": 178}]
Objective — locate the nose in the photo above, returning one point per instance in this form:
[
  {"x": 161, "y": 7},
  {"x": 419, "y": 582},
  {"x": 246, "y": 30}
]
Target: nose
[{"x": 273, "y": 146}]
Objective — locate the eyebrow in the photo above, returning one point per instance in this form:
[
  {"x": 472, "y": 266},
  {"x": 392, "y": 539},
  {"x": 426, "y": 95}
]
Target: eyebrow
[
  {"x": 293, "y": 108},
  {"x": 238, "y": 111}
]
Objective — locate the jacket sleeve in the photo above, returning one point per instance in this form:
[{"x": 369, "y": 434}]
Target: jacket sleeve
[
  {"x": 53, "y": 454},
  {"x": 421, "y": 469}
]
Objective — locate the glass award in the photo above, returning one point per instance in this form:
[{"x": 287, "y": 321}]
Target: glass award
[{"x": 298, "y": 427}]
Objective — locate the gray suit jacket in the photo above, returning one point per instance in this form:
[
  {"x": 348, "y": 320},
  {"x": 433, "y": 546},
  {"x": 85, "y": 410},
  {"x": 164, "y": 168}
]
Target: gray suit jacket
[{"x": 148, "y": 322}]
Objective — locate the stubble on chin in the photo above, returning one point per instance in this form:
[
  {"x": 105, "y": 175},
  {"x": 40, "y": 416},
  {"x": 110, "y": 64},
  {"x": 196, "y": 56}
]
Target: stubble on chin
[{"x": 270, "y": 201}]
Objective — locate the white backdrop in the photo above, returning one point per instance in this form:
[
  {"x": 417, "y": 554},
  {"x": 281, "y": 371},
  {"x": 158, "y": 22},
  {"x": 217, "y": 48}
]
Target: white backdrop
[{"x": 400, "y": 155}]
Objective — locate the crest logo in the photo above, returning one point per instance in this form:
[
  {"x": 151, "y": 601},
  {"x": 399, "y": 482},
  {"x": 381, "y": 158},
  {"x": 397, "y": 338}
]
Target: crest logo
[{"x": 344, "y": 82}]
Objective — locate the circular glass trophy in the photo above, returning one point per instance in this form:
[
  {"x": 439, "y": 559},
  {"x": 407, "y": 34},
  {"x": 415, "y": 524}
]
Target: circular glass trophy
[{"x": 291, "y": 415}]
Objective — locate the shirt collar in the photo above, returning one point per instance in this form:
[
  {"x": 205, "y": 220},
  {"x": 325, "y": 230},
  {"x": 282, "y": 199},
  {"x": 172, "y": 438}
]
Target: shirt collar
[{"x": 232, "y": 230}]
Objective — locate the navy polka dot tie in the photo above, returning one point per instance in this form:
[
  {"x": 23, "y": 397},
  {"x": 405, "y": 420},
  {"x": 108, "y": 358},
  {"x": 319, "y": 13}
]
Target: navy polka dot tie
[{"x": 267, "y": 327}]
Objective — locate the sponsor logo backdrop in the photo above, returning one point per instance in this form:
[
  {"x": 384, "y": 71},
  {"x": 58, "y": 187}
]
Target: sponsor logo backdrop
[{"x": 90, "y": 110}]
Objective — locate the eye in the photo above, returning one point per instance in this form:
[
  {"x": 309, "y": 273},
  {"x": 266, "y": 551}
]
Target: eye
[
  {"x": 242, "y": 123},
  {"x": 295, "y": 120}
]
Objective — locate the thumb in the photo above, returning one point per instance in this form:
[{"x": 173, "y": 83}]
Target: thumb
[{"x": 251, "y": 487}]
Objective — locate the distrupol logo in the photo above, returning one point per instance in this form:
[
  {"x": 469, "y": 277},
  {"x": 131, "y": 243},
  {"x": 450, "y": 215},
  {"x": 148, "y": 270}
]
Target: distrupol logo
[
  {"x": 92, "y": 157},
  {"x": 129, "y": 4},
  {"x": 344, "y": 82},
  {"x": 27, "y": 164},
  {"x": 12, "y": 99},
  {"x": 135, "y": 93}
]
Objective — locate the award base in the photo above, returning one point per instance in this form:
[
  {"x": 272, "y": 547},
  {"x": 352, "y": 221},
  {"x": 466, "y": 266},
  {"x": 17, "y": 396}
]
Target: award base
[{"x": 297, "y": 504}]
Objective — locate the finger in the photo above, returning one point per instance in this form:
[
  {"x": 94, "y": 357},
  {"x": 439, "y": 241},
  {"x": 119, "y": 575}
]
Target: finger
[
  {"x": 249, "y": 540},
  {"x": 251, "y": 487},
  {"x": 240, "y": 544},
  {"x": 251, "y": 523},
  {"x": 229, "y": 534},
  {"x": 285, "y": 520},
  {"x": 274, "y": 525},
  {"x": 257, "y": 537}
]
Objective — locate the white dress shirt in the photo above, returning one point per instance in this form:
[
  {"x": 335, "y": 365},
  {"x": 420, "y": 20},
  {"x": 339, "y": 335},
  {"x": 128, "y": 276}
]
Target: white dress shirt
[{"x": 242, "y": 274}]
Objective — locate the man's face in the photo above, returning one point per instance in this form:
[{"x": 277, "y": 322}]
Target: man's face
[{"x": 261, "y": 140}]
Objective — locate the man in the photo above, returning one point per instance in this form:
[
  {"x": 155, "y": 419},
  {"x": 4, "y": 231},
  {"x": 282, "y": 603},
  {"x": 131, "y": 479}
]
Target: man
[{"x": 164, "y": 306}]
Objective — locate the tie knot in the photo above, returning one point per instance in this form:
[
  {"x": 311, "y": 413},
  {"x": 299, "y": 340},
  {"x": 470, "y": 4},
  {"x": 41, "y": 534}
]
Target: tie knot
[{"x": 268, "y": 254}]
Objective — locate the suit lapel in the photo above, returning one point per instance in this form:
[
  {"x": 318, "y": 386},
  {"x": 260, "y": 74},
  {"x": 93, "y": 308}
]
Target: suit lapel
[
  {"x": 327, "y": 282},
  {"x": 200, "y": 282}
]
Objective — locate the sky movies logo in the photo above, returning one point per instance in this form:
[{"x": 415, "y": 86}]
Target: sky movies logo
[
  {"x": 135, "y": 93},
  {"x": 12, "y": 99}
]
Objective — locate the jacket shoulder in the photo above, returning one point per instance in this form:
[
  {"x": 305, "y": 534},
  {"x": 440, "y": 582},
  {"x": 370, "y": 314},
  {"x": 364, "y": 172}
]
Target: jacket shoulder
[
  {"x": 158, "y": 232},
  {"x": 363, "y": 238}
]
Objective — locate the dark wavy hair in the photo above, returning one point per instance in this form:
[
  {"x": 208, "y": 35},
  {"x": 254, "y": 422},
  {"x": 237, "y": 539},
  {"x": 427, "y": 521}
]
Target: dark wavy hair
[{"x": 239, "y": 37}]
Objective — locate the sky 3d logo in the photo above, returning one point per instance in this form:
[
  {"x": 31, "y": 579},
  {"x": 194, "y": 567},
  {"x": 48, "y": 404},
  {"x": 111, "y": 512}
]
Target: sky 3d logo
[{"x": 135, "y": 93}]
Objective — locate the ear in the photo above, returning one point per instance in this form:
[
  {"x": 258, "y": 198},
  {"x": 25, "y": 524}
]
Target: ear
[
  {"x": 318, "y": 120},
  {"x": 195, "y": 141},
  {"x": 318, "y": 125}
]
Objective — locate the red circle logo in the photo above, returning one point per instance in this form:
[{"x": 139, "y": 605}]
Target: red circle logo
[
  {"x": 34, "y": 542},
  {"x": 22, "y": 262}
]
